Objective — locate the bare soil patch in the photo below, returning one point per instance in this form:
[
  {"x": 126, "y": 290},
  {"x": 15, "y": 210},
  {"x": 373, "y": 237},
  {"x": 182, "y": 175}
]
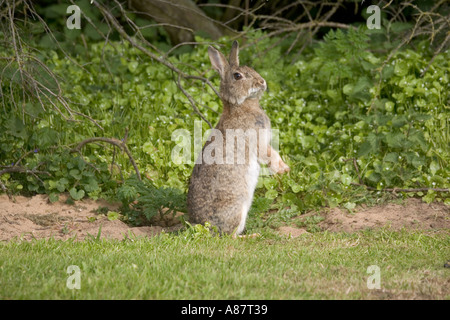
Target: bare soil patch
[
  {"x": 35, "y": 217},
  {"x": 412, "y": 214}
]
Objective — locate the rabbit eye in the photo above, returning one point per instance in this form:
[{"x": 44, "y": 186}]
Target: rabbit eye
[{"x": 237, "y": 76}]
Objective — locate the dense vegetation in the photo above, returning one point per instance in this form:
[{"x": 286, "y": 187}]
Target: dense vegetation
[{"x": 356, "y": 117}]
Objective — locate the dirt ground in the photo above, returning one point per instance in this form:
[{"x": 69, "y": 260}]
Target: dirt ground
[
  {"x": 412, "y": 214},
  {"x": 27, "y": 218},
  {"x": 35, "y": 217}
]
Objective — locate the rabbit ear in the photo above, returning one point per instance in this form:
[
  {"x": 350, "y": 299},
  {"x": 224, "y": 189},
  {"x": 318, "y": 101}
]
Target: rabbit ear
[
  {"x": 234, "y": 54},
  {"x": 218, "y": 60}
]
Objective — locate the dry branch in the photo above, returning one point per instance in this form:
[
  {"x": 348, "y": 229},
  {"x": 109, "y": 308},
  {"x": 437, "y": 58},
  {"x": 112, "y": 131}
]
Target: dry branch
[
  {"x": 16, "y": 169},
  {"x": 121, "y": 144},
  {"x": 27, "y": 67},
  {"x": 394, "y": 190},
  {"x": 181, "y": 18},
  {"x": 162, "y": 59}
]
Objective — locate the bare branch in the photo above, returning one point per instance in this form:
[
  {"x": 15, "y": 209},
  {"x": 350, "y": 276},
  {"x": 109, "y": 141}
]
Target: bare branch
[
  {"x": 160, "y": 59},
  {"x": 121, "y": 144},
  {"x": 394, "y": 190},
  {"x": 191, "y": 100},
  {"x": 25, "y": 65}
]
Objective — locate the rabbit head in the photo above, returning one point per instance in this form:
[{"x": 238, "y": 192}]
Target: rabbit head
[{"x": 238, "y": 83}]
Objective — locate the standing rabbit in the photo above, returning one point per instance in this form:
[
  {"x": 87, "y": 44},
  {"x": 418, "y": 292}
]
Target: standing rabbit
[{"x": 221, "y": 189}]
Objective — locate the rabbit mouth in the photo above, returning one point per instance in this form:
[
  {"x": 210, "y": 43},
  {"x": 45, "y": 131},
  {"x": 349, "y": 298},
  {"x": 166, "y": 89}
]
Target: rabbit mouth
[{"x": 255, "y": 92}]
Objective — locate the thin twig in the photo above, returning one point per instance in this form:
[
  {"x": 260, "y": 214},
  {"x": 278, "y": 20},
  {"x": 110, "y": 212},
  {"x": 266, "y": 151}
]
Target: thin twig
[
  {"x": 114, "y": 142},
  {"x": 191, "y": 100},
  {"x": 15, "y": 169},
  {"x": 355, "y": 164},
  {"x": 394, "y": 190},
  {"x": 435, "y": 54},
  {"x": 113, "y": 21}
]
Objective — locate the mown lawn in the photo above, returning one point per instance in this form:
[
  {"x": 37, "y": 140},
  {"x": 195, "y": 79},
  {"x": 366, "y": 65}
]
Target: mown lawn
[{"x": 313, "y": 266}]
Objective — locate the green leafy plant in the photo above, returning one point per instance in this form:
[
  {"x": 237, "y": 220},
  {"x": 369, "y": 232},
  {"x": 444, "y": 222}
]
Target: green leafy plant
[
  {"x": 142, "y": 199},
  {"x": 352, "y": 121},
  {"x": 113, "y": 215},
  {"x": 199, "y": 231}
]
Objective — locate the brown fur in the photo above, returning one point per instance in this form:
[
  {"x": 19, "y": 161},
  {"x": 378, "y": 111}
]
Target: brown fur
[{"x": 222, "y": 193}]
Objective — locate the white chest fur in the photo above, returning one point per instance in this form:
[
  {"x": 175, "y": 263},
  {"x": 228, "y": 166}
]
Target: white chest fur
[{"x": 251, "y": 179}]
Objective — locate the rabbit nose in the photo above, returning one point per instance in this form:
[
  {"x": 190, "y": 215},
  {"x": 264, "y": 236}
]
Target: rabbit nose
[{"x": 262, "y": 83}]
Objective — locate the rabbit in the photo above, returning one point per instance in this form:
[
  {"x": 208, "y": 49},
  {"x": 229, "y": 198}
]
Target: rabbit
[{"x": 221, "y": 191}]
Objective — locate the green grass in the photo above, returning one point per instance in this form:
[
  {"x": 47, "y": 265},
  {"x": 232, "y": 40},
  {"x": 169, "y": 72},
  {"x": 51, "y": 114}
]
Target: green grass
[{"x": 313, "y": 266}]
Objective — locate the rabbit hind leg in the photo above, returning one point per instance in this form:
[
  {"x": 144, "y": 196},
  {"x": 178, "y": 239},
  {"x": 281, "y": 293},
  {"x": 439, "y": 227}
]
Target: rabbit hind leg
[
  {"x": 246, "y": 236},
  {"x": 241, "y": 226}
]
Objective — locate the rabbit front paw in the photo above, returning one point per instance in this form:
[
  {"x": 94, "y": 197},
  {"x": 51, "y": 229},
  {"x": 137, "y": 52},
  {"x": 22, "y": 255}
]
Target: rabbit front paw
[{"x": 279, "y": 167}]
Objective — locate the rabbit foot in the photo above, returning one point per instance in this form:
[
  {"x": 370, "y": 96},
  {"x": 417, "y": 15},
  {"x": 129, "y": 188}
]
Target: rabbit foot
[
  {"x": 284, "y": 168},
  {"x": 253, "y": 235},
  {"x": 280, "y": 168}
]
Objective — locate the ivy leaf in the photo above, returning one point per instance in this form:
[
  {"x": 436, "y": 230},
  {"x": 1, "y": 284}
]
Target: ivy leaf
[
  {"x": 373, "y": 176},
  {"x": 113, "y": 215},
  {"x": 132, "y": 66},
  {"x": 361, "y": 89},
  {"x": 76, "y": 194},
  {"x": 349, "y": 205},
  {"x": 62, "y": 184},
  {"x": 429, "y": 197},
  {"x": 91, "y": 185},
  {"x": 75, "y": 173},
  {"x": 270, "y": 183},
  {"x": 271, "y": 194},
  {"x": 401, "y": 68},
  {"x": 53, "y": 197},
  {"x": 434, "y": 167},
  {"x": 387, "y": 72},
  {"x": 346, "y": 179}
]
